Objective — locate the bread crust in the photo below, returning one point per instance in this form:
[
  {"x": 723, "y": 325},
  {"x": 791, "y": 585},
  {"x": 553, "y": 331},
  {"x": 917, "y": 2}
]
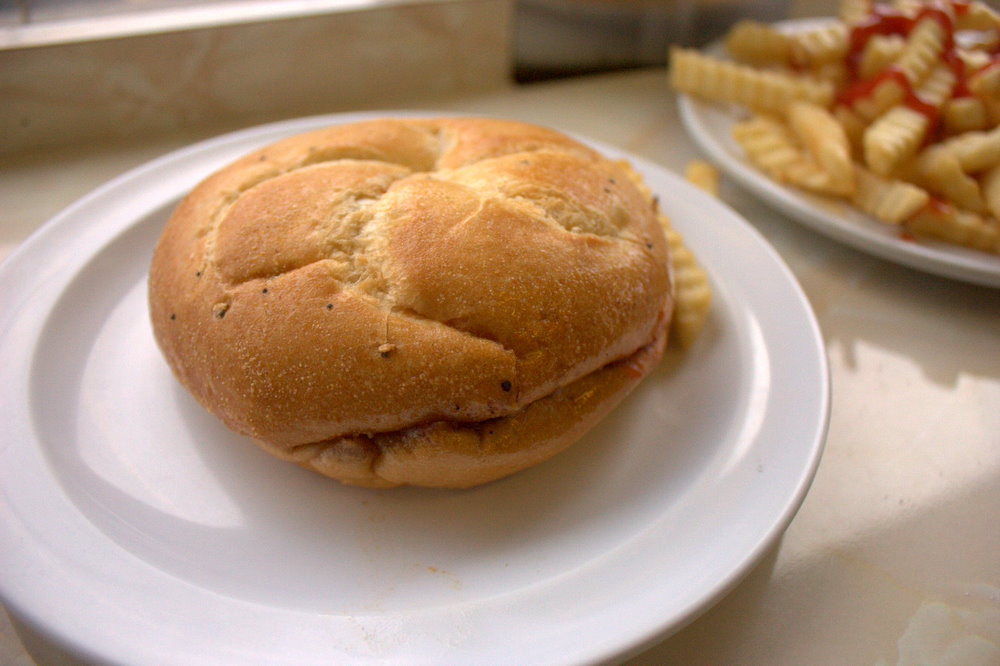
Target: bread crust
[{"x": 413, "y": 300}]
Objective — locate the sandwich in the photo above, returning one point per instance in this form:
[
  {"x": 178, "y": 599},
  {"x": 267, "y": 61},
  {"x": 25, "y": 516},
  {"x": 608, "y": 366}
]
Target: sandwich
[{"x": 425, "y": 301}]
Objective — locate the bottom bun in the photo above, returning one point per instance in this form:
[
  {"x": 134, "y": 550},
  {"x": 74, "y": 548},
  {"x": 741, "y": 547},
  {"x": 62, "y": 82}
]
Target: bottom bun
[{"x": 453, "y": 454}]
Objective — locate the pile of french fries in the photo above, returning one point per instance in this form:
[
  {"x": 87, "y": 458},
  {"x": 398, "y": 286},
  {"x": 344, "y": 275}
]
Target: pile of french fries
[{"x": 894, "y": 107}]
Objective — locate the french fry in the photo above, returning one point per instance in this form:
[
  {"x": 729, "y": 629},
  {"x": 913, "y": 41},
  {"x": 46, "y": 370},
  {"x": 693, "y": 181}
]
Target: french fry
[
  {"x": 853, "y": 11},
  {"x": 692, "y": 293},
  {"x": 826, "y": 140},
  {"x": 722, "y": 81},
  {"x": 991, "y": 190},
  {"x": 894, "y": 137},
  {"x": 940, "y": 171},
  {"x": 768, "y": 143},
  {"x": 978, "y": 16},
  {"x": 757, "y": 43},
  {"x": 923, "y": 50},
  {"x": 986, "y": 82},
  {"x": 898, "y": 134},
  {"x": 887, "y": 200},
  {"x": 772, "y": 146},
  {"x": 960, "y": 227},
  {"x": 703, "y": 175},
  {"x": 853, "y": 125},
  {"x": 964, "y": 114},
  {"x": 880, "y": 52},
  {"x": 819, "y": 46},
  {"x": 975, "y": 151}
]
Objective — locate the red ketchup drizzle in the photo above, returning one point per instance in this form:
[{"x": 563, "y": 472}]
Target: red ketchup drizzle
[
  {"x": 881, "y": 20},
  {"x": 958, "y": 68},
  {"x": 939, "y": 207},
  {"x": 865, "y": 87},
  {"x": 884, "y": 20}
]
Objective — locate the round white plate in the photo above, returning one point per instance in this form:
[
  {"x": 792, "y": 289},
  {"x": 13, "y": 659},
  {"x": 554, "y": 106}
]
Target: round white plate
[
  {"x": 710, "y": 126},
  {"x": 135, "y": 528}
]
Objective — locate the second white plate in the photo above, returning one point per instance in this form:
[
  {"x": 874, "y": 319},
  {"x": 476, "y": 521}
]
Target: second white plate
[{"x": 710, "y": 126}]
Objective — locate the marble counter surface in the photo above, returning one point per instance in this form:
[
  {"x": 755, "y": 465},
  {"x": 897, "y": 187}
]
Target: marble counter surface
[{"x": 895, "y": 552}]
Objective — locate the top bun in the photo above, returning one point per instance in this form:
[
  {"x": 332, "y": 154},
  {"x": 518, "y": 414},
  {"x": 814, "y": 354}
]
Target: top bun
[{"x": 432, "y": 301}]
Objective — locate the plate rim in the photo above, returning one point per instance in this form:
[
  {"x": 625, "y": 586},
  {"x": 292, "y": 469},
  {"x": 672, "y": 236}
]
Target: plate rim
[{"x": 263, "y": 133}]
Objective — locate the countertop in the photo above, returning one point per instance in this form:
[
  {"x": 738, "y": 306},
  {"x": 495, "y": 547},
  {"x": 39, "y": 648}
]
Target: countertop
[{"x": 896, "y": 548}]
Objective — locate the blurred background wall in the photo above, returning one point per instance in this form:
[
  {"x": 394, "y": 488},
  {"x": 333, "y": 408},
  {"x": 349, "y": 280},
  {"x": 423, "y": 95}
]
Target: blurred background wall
[{"x": 78, "y": 71}]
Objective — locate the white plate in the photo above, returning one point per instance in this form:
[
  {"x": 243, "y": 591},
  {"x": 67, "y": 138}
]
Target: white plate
[
  {"x": 134, "y": 528},
  {"x": 710, "y": 126}
]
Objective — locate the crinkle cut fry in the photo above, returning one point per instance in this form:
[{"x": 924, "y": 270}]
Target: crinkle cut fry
[
  {"x": 771, "y": 145},
  {"x": 826, "y": 141},
  {"x": 957, "y": 226},
  {"x": 978, "y": 16},
  {"x": 853, "y": 11},
  {"x": 986, "y": 83},
  {"x": 692, "y": 293},
  {"x": 898, "y": 134},
  {"x": 823, "y": 45},
  {"x": 922, "y": 52},
  {"x": 887, "y": 200},
  {"x": 990, "y": 183},
  {"x": 767, "y": 143},
  {"x": 880, "y": 52},
  {"x": 964, "y": 114},
  {"x": 758, "y": 43},
  {"x": 940, "y": 171},
  {"x": 718, "y": 80}
]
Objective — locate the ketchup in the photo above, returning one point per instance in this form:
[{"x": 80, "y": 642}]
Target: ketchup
[
  {"x": 939, "y": 207},
  {"x": 957, "y": 65},
  {"x": 881, "y": 20},
  {"x": 913, "y": 101},
  {"x": 864, "y": 88},
  {"x": 884, "y": 20}
]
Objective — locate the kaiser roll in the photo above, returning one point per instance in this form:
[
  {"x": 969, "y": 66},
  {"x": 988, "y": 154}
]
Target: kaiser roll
[{"x": 427, "y": 301}]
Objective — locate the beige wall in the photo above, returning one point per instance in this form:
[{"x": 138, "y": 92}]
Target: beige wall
[{"x": 236, "y": 75}]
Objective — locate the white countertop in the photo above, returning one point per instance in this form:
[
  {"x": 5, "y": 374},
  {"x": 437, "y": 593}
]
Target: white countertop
[{"x": 898, "y": 540}]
